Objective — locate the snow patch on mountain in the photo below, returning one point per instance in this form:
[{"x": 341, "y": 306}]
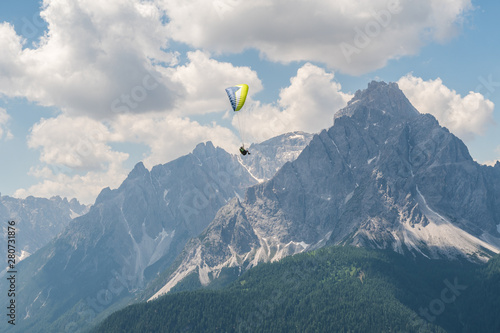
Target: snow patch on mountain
[
  {"x": 381, "y": 142},
  {"x": 24, "y": 255},
  {"x": 269, "y": 156},
  {"x": 148, "y": 250},
  {"x": 348, "y": 197},
  {"x": 259, "y": 180},
  {"x": 490, "y": 239},
  {"x": 162, "y": 244},
  {"x": 73, "y": 214}
]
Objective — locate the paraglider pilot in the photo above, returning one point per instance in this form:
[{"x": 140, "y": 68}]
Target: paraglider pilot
[
  {"x": 237, "y": 96},
  {"x": 244, "y": 151}
]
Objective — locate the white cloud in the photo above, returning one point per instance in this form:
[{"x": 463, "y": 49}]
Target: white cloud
[
  {"x": 463, "y": 116},
  {"x": 308, "y": 104},
  {"x": 79, "y": 143},
  {"x": 4, "y": 119},
  {"x": 84, "y": 187},
  {"x": 494, "y": 161},
  {"x": 77, "y": 159},
  {"x": 352, "y": 36},
  {"x": 92, "y": 54},
  {"x": 205, "y": 79},
  {"x": 100, "y": 60},
  {"x": 170, "y": 136}
]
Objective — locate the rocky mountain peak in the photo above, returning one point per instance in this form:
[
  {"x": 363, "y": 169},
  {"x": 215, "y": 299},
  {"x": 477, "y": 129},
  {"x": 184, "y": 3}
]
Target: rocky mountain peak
[
  {"x": 268, "y": 156},
  {"x": 204, "y": 149},
  {"x": 386, "y": 97},
  {"x": 384, "y": 176},
  {"x": 105, "y": 194},
  {"x": 138, "y": 171},
  {"x": 141, "y": 227}
]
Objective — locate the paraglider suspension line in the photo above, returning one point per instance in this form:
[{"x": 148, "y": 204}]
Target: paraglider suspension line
[{"x": 241, "y": 132}]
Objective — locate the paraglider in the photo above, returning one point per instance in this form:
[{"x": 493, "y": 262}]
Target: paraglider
[
  {"x": 244, "y": 151},
  {"x": 237, "y": 95}
]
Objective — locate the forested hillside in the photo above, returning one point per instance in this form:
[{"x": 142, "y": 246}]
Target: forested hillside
[{"x": 337, "y": 289}]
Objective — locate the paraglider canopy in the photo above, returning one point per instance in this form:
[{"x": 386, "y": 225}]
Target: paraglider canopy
[{"x": 237, "y": 95}]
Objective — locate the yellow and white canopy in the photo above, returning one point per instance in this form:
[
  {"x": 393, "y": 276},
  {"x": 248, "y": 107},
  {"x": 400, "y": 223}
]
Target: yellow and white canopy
[{"x": 237, "y": 95}]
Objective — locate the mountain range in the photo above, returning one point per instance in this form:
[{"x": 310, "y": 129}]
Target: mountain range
[
  {"x": 133, "y": 233},
  {"x": 38, "y": 220},
  {"x": 382, "y": 177}
]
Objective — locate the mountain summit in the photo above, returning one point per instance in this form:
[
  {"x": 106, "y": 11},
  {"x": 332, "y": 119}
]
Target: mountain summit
[
  {"x": 386, "y": 96},
  {"x": 384, "y": 176},
  {"x": 133, "y": 233}
]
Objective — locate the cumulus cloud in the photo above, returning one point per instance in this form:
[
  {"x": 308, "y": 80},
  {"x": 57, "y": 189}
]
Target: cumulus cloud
[
  {"x": 107, "y": 66},
  {"x": 4, "y": 119},
  {"x": 354, "y": 37},
  {"x": 77, "y": 159},
  {"x": 85, "y": 187},
  {"x": 205, "y": 79},
  {"x": 466, "y": 116},
  {"x": 170, "y": 136},
  {"x": 92, "y": 54},
  {"x": 100, "y": 60},
  {"x": 78, "y": 143},
  {"x": 307, "y": 104}
]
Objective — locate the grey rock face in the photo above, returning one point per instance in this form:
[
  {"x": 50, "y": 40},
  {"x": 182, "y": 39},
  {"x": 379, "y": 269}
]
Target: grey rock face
[
  {"x": 383, "y": 176},
  {"x": 129, "y": 236},
  {"x": 269, "y": 156},
  {"x": 38, "y": 220}
]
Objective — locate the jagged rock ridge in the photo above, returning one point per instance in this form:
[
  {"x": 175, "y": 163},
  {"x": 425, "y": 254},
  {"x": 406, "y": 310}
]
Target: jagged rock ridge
[
  {"x": 131, "y": 234},
  {"x": 268, "y": 157},
  {"x": 383, "y": 176},
  {"x": 38, "y": 220}
]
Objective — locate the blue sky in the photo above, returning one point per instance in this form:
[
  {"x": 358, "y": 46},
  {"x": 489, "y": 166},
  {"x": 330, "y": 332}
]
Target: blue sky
[{"x": 90, "y": 88}]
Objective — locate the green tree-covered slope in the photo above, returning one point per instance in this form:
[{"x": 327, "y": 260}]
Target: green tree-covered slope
[{"x": 336, "y": 289}]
